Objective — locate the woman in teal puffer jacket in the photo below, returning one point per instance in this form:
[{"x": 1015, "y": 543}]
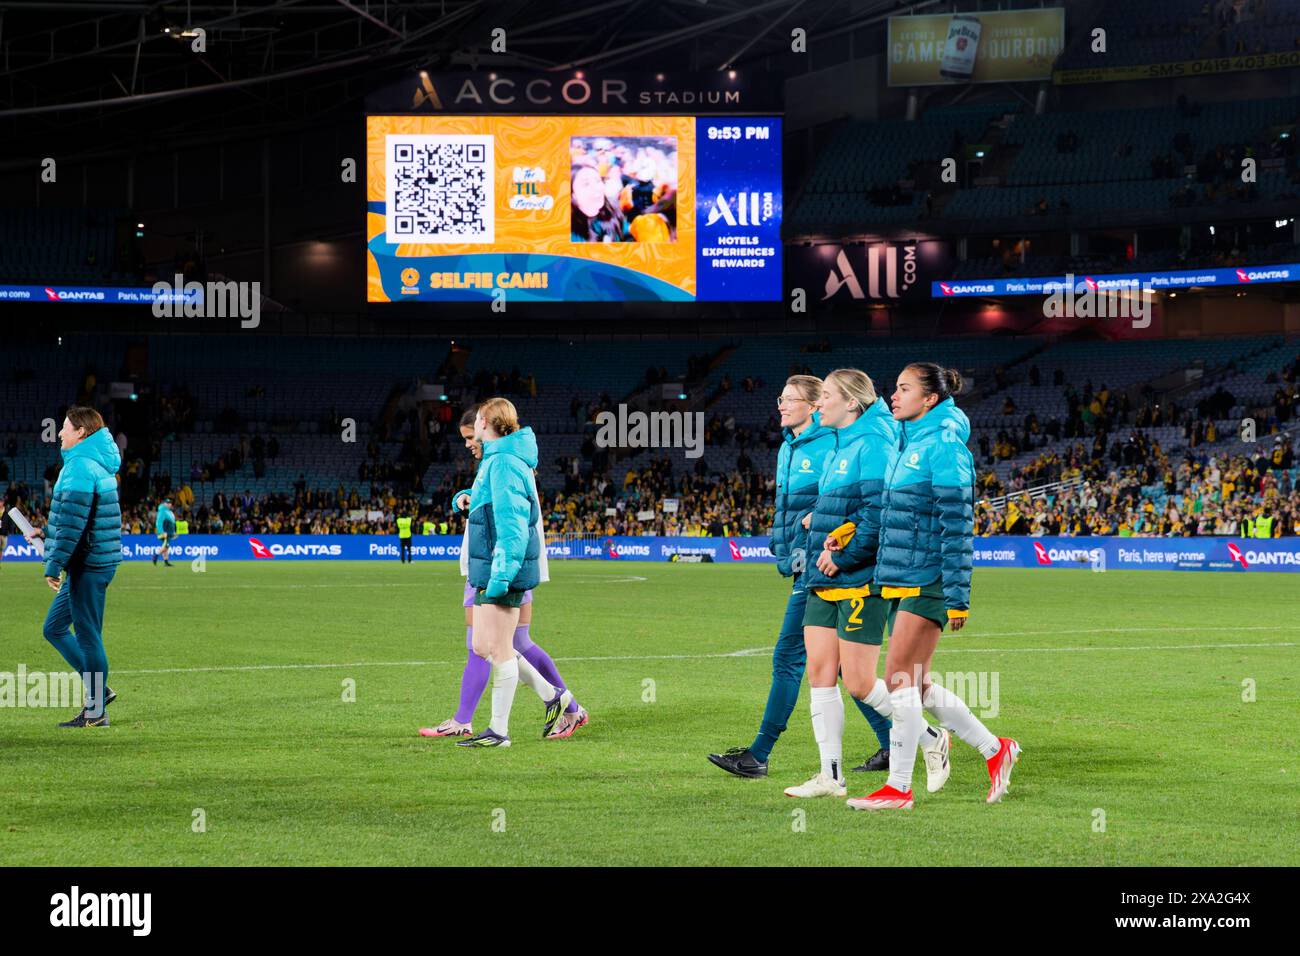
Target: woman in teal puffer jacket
[
  {"x": 505, "y": 548},
  {"x": 924, "y": 567},
  {"x": 84, "y": 539}
]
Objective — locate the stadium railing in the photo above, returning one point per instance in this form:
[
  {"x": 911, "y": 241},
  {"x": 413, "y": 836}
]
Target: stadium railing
[
  {"x": 1038, "y": 491},
  {"x": 565, "y": 545}
]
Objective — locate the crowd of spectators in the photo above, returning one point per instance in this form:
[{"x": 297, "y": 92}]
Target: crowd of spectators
[
  {"x": 651, "y": 499},
  {"x": 1117, "y": 479},
  {"x": 1233, "y": 495},
  {"x": 1114, "y": 476}
]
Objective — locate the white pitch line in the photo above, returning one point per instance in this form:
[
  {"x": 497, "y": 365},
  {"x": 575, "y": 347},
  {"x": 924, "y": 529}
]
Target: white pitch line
[
  {"x": 622, "y": 579},
  {"x": 1139, "y": 630},
  {"x": 747, "y": 652}
]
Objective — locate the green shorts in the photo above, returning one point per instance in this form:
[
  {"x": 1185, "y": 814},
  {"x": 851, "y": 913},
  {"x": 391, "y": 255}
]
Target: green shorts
[
  {"x": 860, "y": 619},
  {"x": 929, "y": 604},
  {"x": 509, "y": 599}
]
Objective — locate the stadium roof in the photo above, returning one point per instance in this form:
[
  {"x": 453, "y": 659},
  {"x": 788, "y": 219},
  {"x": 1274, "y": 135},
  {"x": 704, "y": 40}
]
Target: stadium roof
[{"x": 83, "y": 77}]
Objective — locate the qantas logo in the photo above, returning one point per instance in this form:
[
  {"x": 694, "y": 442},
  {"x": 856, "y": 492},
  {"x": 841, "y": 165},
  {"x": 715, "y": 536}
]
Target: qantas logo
[
  {"x": 73, "y": 295},
  {"x": 965, "y": 288},
  {"x": 740, "y": 552},
  {"x": 1050, "y": 556},
  {"x": 1090, "y": 282},
  {"x": 308, "y": 550},
  {"x": 615, "y": 550},
  {"x": 278, "y": 550},
  {"x": 1235, "y": 553},
  {"x": 1244, "y": 276},
  {"x": 1253, "y": 558}
]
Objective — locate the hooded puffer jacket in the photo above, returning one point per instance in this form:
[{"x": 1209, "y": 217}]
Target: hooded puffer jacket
[
  {"x": 85, "y": 526},
  {"x": 798, "y": 468},
  {"x": 504, "y": 543},
  {"x": 928, "y": 521},
  {"x": 849, "y": 491}
]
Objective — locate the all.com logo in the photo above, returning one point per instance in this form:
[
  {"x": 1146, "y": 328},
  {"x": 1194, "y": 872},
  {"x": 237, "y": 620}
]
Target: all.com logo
[
  {"x": 882, "y": 264},
  {"x": 752, "y": 209}
]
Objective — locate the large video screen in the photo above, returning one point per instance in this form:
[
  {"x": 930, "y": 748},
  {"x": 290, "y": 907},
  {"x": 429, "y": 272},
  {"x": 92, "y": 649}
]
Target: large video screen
[
  {"x": 577, "y": 209},
  {"x": 985, "y": 46}
]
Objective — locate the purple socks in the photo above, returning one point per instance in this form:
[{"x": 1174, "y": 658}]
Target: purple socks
[
  {"x": 541, "y": 660},
  {"x": 473, "y": 681}
]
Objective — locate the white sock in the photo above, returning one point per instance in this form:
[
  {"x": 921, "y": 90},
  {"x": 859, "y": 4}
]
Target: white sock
[
  {"x": 529, "y": 675},
  {"x": 505, "y": 680},
  {"x": 951, "y": 711},
  {"x": 904, "y": 736},
  {"x": 828, "y": 729},
  {"x": 878, "y": 700}
]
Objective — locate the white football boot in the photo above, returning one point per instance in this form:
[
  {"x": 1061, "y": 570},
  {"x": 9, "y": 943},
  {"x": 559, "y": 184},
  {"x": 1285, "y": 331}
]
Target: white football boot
[
  {"x": 819, "y": 786},
  {"x": 937, "y": 761}
]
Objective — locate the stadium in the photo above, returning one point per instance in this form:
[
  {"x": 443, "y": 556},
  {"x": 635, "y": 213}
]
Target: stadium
[{"x": 288, "y": 253}]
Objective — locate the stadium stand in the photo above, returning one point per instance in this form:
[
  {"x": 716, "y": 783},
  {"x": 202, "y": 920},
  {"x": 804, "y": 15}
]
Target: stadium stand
[
  {"x": 1177, "y": 30},
  {"x": 259, "y": 449},
  {"x": 64, "y": 245}
]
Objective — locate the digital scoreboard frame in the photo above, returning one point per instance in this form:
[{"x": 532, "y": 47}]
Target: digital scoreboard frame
[{"x": 569, "y": 188}]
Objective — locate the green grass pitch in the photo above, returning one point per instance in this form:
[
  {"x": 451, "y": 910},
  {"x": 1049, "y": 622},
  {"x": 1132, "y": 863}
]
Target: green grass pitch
[{"x": 1124, "y": 688}]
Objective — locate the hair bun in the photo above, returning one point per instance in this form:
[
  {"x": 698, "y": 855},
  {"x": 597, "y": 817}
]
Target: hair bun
[{"x": 953, "y": 378}]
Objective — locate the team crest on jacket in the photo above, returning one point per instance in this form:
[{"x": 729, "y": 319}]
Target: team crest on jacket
[
  {"x": 914, "y": 460},
  {"x": 805, "y": 466},
  {"x": 843, "y": 468}
]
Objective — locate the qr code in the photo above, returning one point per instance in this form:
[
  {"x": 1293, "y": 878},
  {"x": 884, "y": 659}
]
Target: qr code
[{"x": 440, "y": 188}]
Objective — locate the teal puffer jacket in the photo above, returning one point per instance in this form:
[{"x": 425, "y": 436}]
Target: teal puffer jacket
[
  {"x": 849, "y": 490},
  {"x": 85, "y": 526},
  {"x": 798, "y": 468},
  {"x": 504, "y": 544},
  {"x": 928, "y": 521}
]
